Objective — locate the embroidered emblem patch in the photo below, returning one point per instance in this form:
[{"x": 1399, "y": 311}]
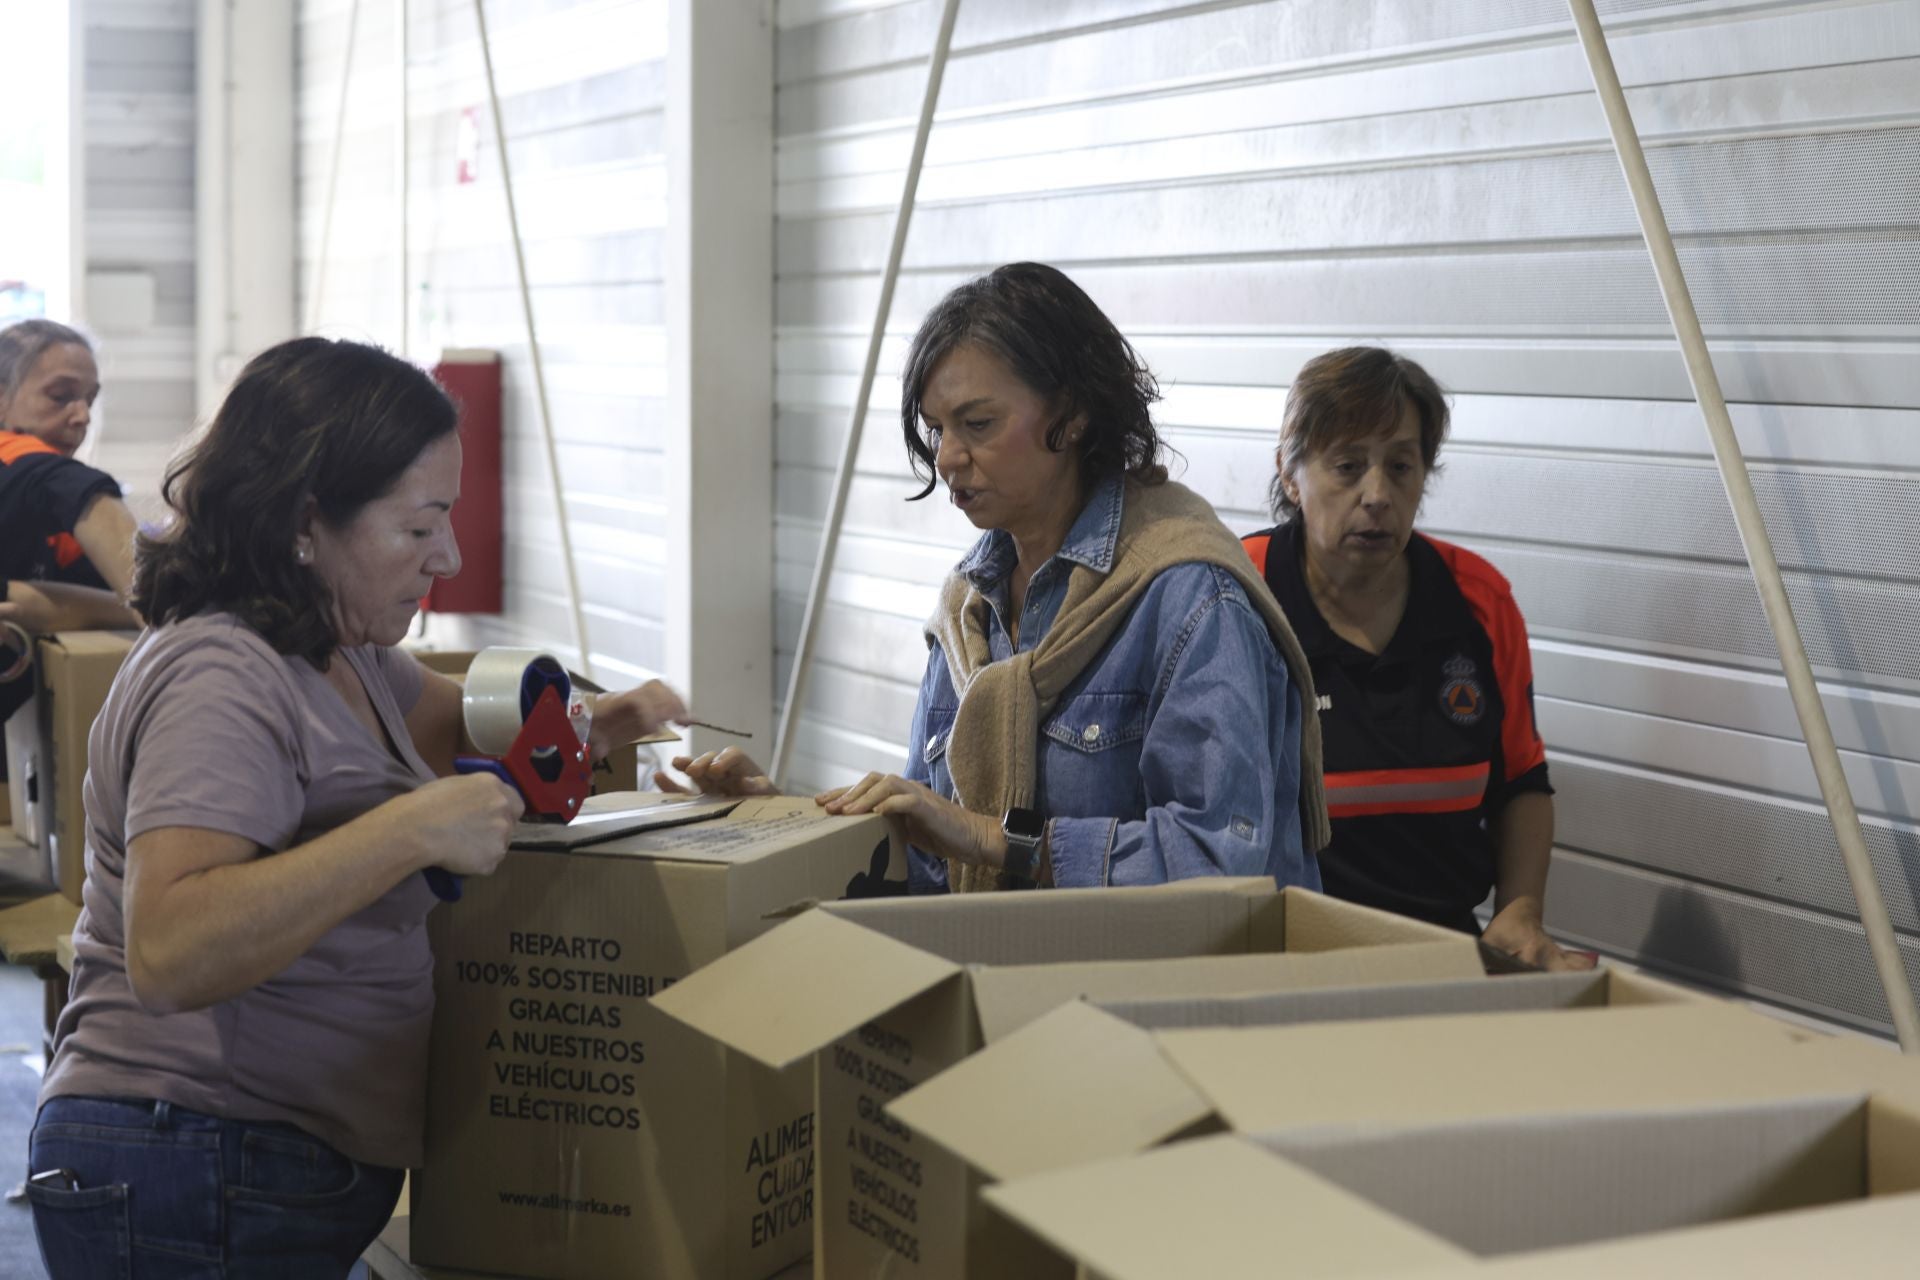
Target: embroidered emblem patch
[{"x": 1461, "y": 696}]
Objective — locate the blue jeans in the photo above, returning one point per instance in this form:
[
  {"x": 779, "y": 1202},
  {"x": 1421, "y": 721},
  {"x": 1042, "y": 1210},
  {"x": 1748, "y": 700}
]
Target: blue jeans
[{"x": 158, "y": 1192}]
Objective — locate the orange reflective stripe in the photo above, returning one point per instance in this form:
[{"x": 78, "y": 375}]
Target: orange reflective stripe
[
  {"x": 15, "y": 445},
  {"x": 1377, "y": 791}
]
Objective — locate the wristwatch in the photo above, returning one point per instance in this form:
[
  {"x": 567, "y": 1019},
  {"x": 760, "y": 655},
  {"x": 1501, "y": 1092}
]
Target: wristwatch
[{"x": 1026, "y": 830}]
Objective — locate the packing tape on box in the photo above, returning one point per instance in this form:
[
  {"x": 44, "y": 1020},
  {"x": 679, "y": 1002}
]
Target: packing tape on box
[
  {"x": 16, "y": 653},
  {"x": 501, "y": 687}
]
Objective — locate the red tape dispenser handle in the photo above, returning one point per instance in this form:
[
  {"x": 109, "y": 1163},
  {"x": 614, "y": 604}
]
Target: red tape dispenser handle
[{"x": 547, "y": 762}]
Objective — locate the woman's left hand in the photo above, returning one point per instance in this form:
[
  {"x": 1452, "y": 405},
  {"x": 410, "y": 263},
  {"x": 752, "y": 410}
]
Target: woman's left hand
[
  {"x": 928, "y": 821},
  {"x": 1518, "y": 931},
  {"x": 620, "y": 718}
]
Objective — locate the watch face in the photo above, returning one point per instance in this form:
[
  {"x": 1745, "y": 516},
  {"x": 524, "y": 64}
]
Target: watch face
[{"x": 1024, "y": 822}]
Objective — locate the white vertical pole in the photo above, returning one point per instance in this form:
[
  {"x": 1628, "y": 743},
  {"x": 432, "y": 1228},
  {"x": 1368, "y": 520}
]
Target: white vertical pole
[
  {"x": 533, "y": 349},
  {"x": 333, "y": 173},
  {"x": 246, "y": 296},
  {"x": 402, "y": 177},
  {"x": 843, "y": 479},
  {"x": 1753, "y": 530},
  {"x": 718, "y": 609}
]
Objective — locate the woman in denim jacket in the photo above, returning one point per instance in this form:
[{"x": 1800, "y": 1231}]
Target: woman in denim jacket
[{"x": 1111, "y": 697}]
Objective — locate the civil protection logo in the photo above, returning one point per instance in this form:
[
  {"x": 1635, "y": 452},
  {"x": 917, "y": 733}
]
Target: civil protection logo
[{"x": 1461, "y": 696}]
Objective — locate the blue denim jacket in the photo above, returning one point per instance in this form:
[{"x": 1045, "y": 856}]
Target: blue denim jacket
[{"x": 1176, "y": 753}]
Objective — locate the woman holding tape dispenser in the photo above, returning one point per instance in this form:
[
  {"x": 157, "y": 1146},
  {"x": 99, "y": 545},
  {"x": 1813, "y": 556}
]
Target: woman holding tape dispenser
[{"x": 237, "y": 1083}]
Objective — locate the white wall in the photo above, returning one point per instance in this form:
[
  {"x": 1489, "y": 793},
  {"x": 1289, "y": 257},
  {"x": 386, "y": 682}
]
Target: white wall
[
  {"x": 136, "y": 136},
  {"x": 1243, "y": 184},
  {"x": 582, "y": 83}
]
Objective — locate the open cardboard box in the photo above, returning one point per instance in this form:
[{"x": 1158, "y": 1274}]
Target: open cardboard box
[
  {"x": 919, "y": 985},
  {"x": 1491, "y": 1186},
  {"x": 575, "y": 1132},
  {"x": 1026, "y": 1104}
]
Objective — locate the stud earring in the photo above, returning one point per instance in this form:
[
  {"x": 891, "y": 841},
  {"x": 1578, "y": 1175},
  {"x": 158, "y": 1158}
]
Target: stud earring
[{"x": 303, "y": 555}]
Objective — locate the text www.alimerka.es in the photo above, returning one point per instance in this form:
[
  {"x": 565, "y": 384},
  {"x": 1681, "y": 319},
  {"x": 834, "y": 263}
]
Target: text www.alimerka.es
[{"x": 566, "y": 1204}]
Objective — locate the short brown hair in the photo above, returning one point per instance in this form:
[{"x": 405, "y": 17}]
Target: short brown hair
[
  {"x": 1355, "y": 391},
  {"x": 1056, "y": 340}
]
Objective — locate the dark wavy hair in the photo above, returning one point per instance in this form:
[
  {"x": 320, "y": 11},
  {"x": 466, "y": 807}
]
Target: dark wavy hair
[
  {"x": 334, "y": 422},
  {"x": 1353, "y": 393},
  {"x": 1053, "y": 337}
]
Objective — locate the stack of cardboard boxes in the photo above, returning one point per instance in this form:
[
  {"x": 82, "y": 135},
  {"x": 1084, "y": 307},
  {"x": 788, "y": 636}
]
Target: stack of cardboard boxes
[{"x": 1211, "y": 1078}]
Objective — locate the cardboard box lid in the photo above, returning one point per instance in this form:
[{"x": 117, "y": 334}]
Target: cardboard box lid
[
  {"x": 1023, "y": 1103},
  {"x": 1517, "y": 993},
  {"x": 1867, "y": 1240},
  {"x": 793, "y": 992},
  {"x": 1183, "y": 1211},
  {"x": 736, "y": 832},
  {"x": 801, "y": 986},
  {"x": 1317, "y": 922},
  {"x": 1499, "y": 1185},
  {"x": 1473, "y": 1064},
  {"x": 1007, "y": 997},
  {"x": 1075, "y": 925},
  {"x": 1009, "y": 1110}
]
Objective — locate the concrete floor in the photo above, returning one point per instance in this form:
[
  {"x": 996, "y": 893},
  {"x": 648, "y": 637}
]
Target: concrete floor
[{"x": 20, "y": 1067}]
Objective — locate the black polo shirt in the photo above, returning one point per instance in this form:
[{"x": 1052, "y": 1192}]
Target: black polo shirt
[
  {"x": 43, "y": 494},
  {"x": 1424, "y": 742}
]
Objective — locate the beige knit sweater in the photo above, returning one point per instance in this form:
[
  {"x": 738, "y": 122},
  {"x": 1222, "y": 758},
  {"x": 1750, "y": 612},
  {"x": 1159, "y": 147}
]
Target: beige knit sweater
[{"x": 993, "y": 745}]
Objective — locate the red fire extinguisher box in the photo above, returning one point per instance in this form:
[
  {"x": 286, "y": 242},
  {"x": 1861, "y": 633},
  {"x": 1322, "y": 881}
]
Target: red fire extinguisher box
[{"x": 472, "y": 378}]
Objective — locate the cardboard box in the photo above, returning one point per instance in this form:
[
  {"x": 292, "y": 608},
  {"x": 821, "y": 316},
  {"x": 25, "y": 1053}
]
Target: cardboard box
[
  {"x": 573, "y": 1131},
  {"x": 922, "y": 984},
  {"x": 619, "y": 771},
  {"x": 47, "y": 749},
  {"x": 1023, "y": 1105},
  {"x": 1491, "y": 1186}
]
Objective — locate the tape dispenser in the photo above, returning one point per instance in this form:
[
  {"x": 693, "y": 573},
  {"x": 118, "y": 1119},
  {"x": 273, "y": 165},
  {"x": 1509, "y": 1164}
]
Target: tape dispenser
[{"x": 520, "y": 709}]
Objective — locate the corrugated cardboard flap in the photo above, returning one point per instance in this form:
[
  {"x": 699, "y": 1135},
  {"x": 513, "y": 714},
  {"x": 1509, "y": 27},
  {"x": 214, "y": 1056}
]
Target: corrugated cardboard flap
[
  {"x": 1867, "y": 1240},
  {"x": 1010, "y": 996},
  {"x": 1316, "y": 922},
  {"x": 1217, "y": 1208},
  {"x": 1063, "y": 926},
  {"x": 82, "y": 644},
  {"x": 800, "y": 987},
  {"x": 1520, "y": 992},
  {"x": 1030, "y": 1103},
  {"x": 1497, "y": 1185},
  {"x": 1472, "y": 1064}
]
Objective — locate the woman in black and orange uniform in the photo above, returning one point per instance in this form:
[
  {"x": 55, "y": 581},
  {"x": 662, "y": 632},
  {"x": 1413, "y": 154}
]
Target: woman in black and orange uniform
[
  {"x": 66, "y": 538},
  {"x": 1436, "y": 775}
]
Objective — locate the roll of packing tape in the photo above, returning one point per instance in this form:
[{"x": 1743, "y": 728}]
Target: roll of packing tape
[
  {"x": 502, "y": 686},
  {"x": 16, "y": 653}
]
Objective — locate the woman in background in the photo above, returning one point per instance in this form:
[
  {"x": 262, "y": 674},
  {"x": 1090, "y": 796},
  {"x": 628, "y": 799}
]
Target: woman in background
[
  {"x": 1110, "y": 696},
  {"x": 66, "y": 538},
  {"x": 1436, "y": 774}
]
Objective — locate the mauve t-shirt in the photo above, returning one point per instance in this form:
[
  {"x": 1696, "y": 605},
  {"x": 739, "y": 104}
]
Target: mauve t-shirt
[{"x": 207, "y": 726}]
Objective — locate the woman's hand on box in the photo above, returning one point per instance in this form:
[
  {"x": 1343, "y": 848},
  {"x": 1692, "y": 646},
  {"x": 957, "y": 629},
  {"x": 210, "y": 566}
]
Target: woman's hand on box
[
  {"x": 927, "y": 820},
  {"x": 730, "y": 772}
]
